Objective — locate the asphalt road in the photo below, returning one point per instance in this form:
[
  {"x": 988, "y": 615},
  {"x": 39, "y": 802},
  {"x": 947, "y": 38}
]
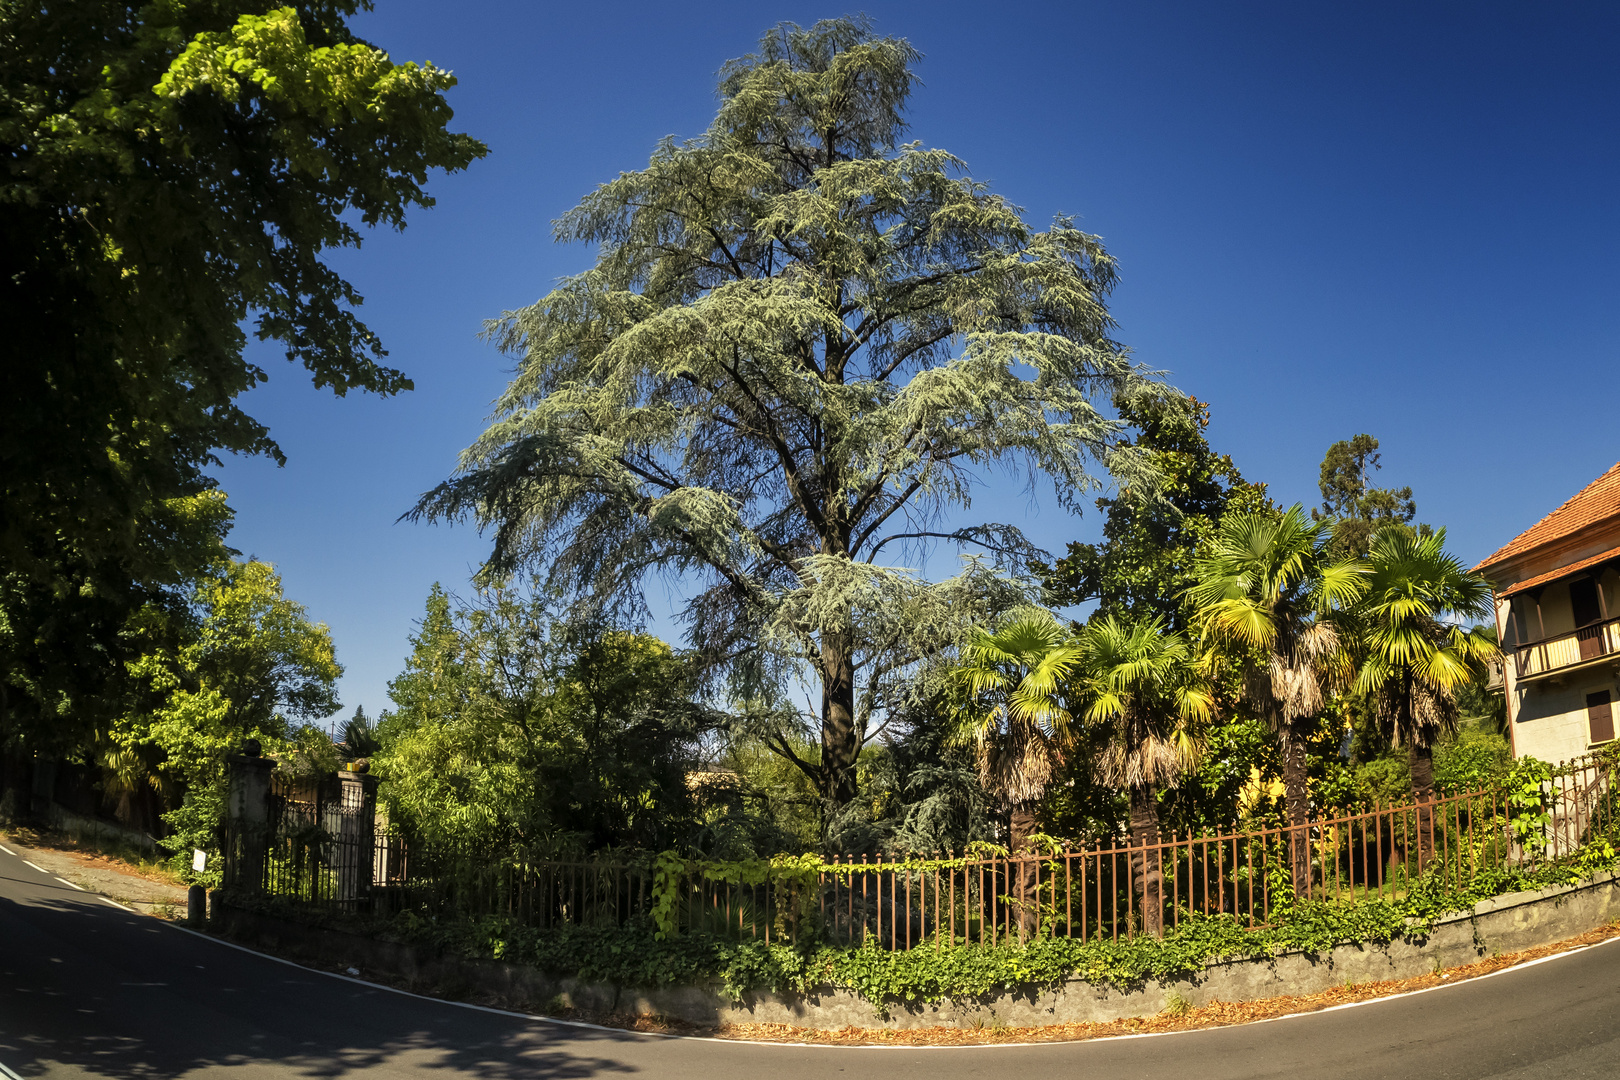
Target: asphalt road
[{"x": 89, "y": 989}]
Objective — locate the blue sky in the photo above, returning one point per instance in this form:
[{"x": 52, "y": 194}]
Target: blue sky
[{"x": 1393, "y": 218}]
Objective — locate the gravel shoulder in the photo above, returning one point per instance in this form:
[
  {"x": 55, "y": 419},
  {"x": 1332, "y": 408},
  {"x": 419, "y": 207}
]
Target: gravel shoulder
[{"x": 98, "y": 873}]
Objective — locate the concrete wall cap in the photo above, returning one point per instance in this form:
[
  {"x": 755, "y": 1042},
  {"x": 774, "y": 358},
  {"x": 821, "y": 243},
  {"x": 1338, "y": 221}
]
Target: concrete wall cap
[{"x": 1528, "y": 896}]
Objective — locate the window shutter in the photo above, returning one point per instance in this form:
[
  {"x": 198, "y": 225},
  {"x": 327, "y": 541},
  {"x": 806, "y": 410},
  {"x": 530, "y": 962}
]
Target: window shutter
[{"x": 1600, "y": 716}]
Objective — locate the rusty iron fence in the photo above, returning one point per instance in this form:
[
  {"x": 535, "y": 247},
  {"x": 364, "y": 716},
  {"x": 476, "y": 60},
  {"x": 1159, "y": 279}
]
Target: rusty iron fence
[{"x": 1096, "y": 892}]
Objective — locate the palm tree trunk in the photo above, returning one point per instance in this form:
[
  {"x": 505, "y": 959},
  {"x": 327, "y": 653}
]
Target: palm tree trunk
[
  {"x": 1145, "y": 863},
  {"x": 1024, "y": 870},
  {"x": 1421, "y": 759},
  {"x": 1299, "y": 808}
]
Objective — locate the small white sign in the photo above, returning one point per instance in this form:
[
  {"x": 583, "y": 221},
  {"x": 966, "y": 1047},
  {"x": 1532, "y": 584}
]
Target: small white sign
[{"x": 199, "y": 860}]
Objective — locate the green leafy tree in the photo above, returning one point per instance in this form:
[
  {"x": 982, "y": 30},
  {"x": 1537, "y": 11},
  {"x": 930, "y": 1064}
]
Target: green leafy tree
[
  {"x": 801, "y": 340},
  {"x": 173, "y": 176},
  {"x": 1151, "y": 532},
  {"x": 1357, "y": 509},
  {"x": 1270, "y": 599},
  {"x": 67, "y": 636},
  {"x": 247, "y": 664},
  {"x": 634, "y": 735},
  {"x": 928, "y": 785},
  {"x": 918, "y": 790},
  {"x": 1233, "y": 748},
  {"x": 1416, "y": 662},
  {"x": 760, "y": 805},
  {"x": 455, "y": 745},
  {"x": 508, "y": 731},
  {"x": 1142, "y": 685}
]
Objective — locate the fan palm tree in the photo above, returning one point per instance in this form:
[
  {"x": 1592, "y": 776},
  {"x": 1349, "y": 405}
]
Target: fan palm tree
[
  {"x": 1269, "y": 597},
  {"x": 1141, "y": 683},
  {"x": 1014, "y": 681},
  {"x": 1012, "y": 684},
  {"x": 1415, "y": 659},
  {"x": 134, "y": 783}
]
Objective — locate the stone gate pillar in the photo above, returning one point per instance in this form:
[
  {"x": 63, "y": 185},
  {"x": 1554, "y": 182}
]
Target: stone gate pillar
[
  {"x": 248, "y": 819},
  {"x": 355, "y": 838}
]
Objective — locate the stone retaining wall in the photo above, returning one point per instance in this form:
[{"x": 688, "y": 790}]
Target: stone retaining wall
[{"x": 1500, "y": 925}]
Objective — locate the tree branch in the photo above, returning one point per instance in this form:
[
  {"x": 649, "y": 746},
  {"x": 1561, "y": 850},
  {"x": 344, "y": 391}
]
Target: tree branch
[
  {"x": 911, "y": 489},
  {"x": 777, "y": 745}
]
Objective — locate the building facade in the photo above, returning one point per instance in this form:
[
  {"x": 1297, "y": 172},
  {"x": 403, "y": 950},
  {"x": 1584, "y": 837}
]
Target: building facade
[{"x": 1557, "y": 588}]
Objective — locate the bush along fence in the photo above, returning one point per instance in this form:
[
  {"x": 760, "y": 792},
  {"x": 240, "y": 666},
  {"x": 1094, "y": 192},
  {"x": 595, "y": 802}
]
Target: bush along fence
[{"x": 317, "y": 845}]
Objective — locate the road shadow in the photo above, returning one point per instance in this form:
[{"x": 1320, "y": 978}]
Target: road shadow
[{"x": 88, "y": 987}]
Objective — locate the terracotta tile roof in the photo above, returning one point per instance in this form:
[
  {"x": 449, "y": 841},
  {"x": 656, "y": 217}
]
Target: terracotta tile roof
[
  {"x": 1595, "y": 502},
  {"x": 1562, "y": 571}
]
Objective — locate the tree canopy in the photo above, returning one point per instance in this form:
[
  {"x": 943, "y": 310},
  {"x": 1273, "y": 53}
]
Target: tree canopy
[
  {"x": 173, "y": 177},
  {"x": 239, "y": 661},
  {"x": 508, "y": 730},
  {"x": 1012, "y": 702},
  {"x": 1151, "y": 533},
  {"x": 800, "y": 343},
  {"x": 1357, "y": 509},
  {"x": 1142, "y": 686},
  {"x": 1270, "y": 600}
]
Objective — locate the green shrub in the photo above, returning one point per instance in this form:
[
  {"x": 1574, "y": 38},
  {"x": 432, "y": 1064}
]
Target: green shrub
[{"x": 1477, "y": 760}]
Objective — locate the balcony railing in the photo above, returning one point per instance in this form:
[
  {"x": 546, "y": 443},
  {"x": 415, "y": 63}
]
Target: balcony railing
[{"x": 1550, "y": 655}]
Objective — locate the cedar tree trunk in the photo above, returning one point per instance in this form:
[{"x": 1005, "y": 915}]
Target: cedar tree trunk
[{"x": 840, "y": 742}]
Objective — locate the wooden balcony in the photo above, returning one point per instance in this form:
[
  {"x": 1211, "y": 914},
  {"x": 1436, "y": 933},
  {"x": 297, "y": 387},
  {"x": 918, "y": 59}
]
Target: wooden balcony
[{"x": 1554, "y": 656}]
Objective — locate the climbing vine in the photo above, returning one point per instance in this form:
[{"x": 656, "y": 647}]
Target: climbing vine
[{"x": 1529, "y": 799}]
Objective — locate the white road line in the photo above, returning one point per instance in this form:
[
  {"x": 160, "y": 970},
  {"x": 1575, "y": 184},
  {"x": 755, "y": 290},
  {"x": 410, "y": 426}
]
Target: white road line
[
  {"x": 70, "y": 884},
  {"x": 13, "y": 854},
  {"x": 7, "y": 1073},
  {"x": 823, "y": 1046},
  {"x": 116, "y": 904},
  {"x": 40, "y": 868}
]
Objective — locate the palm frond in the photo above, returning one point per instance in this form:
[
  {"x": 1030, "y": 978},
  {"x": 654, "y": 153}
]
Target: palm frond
[{"x": 1415, "y": 657}]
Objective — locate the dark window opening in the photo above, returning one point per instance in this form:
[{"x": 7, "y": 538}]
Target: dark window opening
[{"x": 1583, "y": 601}]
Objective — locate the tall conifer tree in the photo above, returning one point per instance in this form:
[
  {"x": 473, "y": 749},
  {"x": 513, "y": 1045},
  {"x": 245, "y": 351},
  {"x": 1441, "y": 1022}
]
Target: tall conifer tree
[{"x": 800, "y": 341}]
